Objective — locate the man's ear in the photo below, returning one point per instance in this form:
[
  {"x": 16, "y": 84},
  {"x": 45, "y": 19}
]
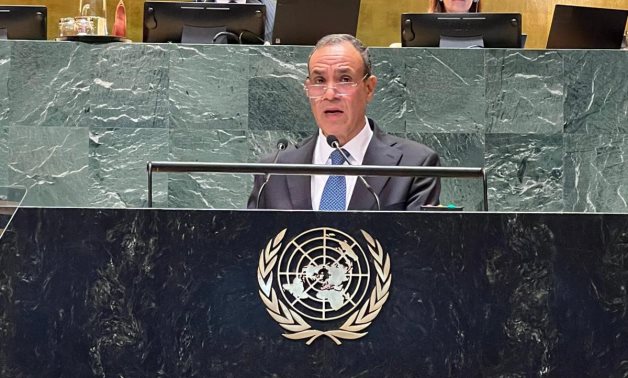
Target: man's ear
[{"x": 371, "y": 84}]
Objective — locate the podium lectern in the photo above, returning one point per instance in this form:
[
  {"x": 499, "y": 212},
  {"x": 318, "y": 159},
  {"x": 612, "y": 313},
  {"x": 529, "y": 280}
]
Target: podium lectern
[{"x": 147, "y": 292}]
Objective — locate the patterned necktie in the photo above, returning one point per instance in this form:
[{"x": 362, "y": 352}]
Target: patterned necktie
[{"x": 335, "y": 192}]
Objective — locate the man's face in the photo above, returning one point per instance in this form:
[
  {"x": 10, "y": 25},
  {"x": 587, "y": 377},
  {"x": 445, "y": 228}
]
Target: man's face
[{"x": 340, "y": 114}]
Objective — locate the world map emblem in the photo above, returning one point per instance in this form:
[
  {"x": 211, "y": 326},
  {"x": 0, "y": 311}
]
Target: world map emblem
[{"x": 324, "y": 282}]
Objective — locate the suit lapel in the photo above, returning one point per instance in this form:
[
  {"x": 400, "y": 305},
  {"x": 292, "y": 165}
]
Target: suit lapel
[
  {"x": 379, "y": 152},
  {"x": 299, "y": 187}
]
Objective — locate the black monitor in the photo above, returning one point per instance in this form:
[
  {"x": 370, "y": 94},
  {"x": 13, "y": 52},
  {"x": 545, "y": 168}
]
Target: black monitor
[
  {"x": 185, "y": 22},
  {"x": 304, "y": 22},
  {"x": 586, "y": 28},
  {"x": 492, "y": 30},
  {"x": 23, "y": 22}
]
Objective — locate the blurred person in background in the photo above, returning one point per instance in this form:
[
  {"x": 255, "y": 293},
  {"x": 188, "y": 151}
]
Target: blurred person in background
[{"x": 454, "y": 6}]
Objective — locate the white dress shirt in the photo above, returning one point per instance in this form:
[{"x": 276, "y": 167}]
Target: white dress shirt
[{"x": 356, "y": 148}]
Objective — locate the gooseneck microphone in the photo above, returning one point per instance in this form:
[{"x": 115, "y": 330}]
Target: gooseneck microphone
[
  {"x": 282, "y": 144},
  {"x": 332, "y": 140}
]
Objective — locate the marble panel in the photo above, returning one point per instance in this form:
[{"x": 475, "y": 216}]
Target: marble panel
[
  {"x": 525, "y": 172},
  {"x": 596, "y": 173},
  {"x": 208, "y": 84},
  {"x": 4, "y": 156},
  {"x": 390, "y": 102},
  {"x": 277, "y": 100},
  {"x": 523, "y": 269},
  {"x": 279, "y": 61},
  {"x": 446, "y": 90},
  {"x": 5, "y": 67},
  {"x": 457, "y": 150},
  {"x": 279, "y": 103},
  {"x": 129, "y": 86},
  {"x": 426, "y": 93},
  {"x": 52, "y": 163},
  {"x": 117, "y": 166},
  {"x": 176, "y": 293},
  {"x": 264, "y": 143},
  {"x": 206, "y": 190},
  {"x": 49, "y": 83},
  {"x": 524, "y": 91},
  {"x": 596, "y": 92}
]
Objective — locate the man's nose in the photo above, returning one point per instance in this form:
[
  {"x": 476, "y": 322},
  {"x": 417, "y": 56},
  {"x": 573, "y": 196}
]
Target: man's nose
[{"x": 330, "y": 92}]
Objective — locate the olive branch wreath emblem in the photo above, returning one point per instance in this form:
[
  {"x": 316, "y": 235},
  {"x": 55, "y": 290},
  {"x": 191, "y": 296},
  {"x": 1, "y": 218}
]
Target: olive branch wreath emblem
[{"x": 299, "y": 329}]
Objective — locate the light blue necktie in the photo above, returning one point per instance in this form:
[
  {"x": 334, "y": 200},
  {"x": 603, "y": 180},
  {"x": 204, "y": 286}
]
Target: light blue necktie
[{"x": 334, "y": 196}]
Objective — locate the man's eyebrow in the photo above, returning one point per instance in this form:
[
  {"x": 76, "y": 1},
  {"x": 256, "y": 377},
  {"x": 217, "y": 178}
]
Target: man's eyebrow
[
  {"x": 344, "y": 70},
  {"x": 340, "y": 70}
]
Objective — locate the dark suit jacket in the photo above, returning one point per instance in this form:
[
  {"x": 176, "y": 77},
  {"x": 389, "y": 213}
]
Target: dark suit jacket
[{"x": 395, "y": 193}]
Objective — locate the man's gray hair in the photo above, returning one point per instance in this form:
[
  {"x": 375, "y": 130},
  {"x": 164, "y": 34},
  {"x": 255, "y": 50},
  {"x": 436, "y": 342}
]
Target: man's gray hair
[{"x": 336, "y": 39}]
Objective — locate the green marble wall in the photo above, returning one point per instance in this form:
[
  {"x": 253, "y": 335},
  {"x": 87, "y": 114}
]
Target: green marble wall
[{"x": 78, "y": 122}]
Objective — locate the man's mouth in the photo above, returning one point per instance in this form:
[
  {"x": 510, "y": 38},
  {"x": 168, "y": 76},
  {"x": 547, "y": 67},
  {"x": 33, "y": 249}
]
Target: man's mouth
[{"x": 333, "y": 111}]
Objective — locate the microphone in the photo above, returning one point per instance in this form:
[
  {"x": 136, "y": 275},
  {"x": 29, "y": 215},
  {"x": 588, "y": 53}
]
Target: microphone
[
  {"x": 332, "y": 140},
  {"x": 282, "y": 144}
]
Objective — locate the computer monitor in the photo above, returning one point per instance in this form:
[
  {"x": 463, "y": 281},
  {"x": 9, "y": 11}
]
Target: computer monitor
[
  {"x": 186, "y": 22},
  {"x": 586, "y": 28},
  {"x": 492, "y": 30},
  {"x": 304, "y": 22},
  {"x": 23, "y": 22}
]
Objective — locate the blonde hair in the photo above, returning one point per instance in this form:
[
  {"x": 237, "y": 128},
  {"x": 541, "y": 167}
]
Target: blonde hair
[{"x": 437, "y": 7}]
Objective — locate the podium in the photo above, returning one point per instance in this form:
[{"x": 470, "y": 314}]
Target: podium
[{"x": 147, "y": 292}]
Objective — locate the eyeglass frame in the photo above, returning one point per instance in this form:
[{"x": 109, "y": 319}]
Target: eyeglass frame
[{"x": 325, "y": 87}]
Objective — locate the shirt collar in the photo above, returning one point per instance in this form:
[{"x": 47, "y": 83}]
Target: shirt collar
[{"x": 356, "y": 147}]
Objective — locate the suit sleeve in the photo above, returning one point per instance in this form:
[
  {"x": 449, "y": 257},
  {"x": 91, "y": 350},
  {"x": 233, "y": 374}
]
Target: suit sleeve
[{"x": 425, "y": 190}]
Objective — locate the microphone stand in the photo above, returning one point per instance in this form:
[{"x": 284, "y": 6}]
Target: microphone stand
[
  {"x": 282, "y": 144},
  {"x": 332, "y": 140}
]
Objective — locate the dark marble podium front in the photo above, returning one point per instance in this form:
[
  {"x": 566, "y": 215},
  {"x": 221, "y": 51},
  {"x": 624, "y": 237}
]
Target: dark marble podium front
[{"x": 148, "y": 293}]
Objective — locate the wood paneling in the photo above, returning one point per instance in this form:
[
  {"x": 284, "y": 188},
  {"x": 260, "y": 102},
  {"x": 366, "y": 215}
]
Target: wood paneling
[
  {"x": 379, "y": 19},
  {"x": 379, "y": 22},
  {"x": 537, "y": 14}
]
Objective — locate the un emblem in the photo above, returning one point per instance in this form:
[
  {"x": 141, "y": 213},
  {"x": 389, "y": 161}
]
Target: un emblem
[{"x": 323, "y": 276}]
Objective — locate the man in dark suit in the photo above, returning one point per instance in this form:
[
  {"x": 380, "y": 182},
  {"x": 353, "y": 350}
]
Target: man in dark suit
[{"x": 340, "y": 85}]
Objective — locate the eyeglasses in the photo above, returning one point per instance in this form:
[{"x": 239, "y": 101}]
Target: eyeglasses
[{"x": 343, "y": 88}]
